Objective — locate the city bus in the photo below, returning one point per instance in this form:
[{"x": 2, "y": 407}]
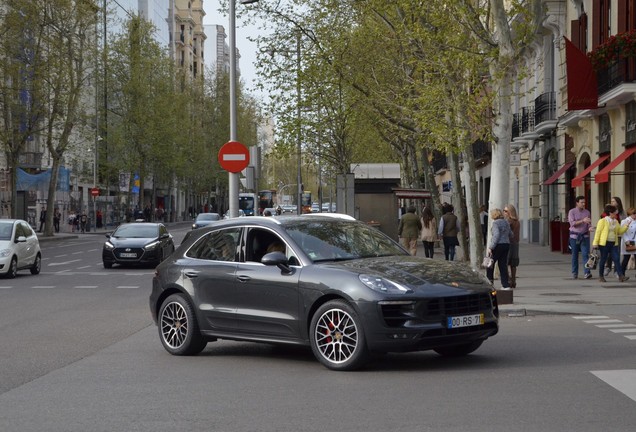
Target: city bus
[
  {"x": 247, "y": 203},
  {"x": 266, "y": 199}
]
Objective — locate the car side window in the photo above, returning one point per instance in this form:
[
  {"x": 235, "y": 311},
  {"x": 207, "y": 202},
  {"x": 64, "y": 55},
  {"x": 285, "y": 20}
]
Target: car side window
[
  {"x": 26, "y": 229},
  {"x": 19, "y": 230},
  {"x": 261, "y": 242},
  {"x": 217, "y": 246}
]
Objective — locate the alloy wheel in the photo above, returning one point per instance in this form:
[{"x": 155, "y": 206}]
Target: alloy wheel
[
  {"x": 174, "y": 325},
  {"x": 336, "y": 336}
]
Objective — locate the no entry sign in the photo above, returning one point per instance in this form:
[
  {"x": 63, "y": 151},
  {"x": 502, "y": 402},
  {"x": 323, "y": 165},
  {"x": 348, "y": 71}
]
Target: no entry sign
[{"x": 234, "y": 157}]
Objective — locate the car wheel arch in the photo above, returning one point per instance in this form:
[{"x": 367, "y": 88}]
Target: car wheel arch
[
  {"x": 319, "y": 302},
  {"x": 167, "y": 293}
]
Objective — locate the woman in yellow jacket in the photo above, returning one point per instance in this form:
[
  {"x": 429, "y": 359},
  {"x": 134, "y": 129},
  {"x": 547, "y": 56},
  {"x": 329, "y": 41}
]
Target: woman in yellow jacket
[{"x": 607, "y": 231}]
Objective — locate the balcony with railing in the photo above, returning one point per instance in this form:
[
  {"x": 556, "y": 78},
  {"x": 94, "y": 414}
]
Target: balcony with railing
[
  {"x": 617, "y": 81},
  {"x": 30, "y": 160},
  {"x": 545, "y": 113}
]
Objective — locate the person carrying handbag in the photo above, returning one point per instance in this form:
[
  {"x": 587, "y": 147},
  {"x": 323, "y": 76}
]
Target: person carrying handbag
[
  {"x": 628, "y": 243},
  {"x": 498, "y": 248},
  {"x": 608, "y": 229}
]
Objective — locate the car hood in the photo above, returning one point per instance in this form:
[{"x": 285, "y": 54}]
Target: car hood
[
  {"x": 415, "y": 272},
  {"x": 131, "y": 241}
]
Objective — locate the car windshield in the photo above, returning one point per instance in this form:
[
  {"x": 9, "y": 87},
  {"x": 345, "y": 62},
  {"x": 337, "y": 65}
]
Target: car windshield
[
  {"x": 341, "y": 240},
  {"x": 208, "y": 217},
  {"x": 5, "y": 230},
  {"x": 137, "y": 231}
]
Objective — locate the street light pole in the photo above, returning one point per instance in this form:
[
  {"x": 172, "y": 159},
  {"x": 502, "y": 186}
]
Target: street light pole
[{"x": 299, "y": 209}]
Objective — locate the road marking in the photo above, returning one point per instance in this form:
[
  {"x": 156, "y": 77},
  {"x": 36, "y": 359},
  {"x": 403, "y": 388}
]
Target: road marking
[
  {"x": 85, "y": 286},
  {"x": 615, "y": 325},
  {"x": 584, "y": 317},
  {"x": 622, "y": 380},
  {"x": 62, "y": 263},
  {"x": 631, "y": 337},
  {"x": 43, "y": 286},
  {"x": 623, "y": 330},
  {"x": 6, "y": 287},
  {"x": 60, "y": 256},
  {"x": 127, "y": 287},
  {"x": 83, "y": 267},
  {"x": 604, "y": 321}
]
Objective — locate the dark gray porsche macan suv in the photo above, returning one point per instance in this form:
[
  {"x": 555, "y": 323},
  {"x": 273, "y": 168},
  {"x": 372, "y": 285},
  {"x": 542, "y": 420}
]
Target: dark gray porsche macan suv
[{"x": 333, "y": 283}]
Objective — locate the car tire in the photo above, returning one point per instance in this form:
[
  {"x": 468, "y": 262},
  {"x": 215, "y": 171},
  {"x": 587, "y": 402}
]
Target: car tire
[
  {"x": 458, "y": 350},
  {"x": 37, "y": 265},
  {"x": 337, "y": 338},
  {"x": 178, "y": 327},
  {"x": 108, "y": 265},
  {"x": 12, "y": 272}
]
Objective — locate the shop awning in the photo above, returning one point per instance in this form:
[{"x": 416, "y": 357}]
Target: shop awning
[
  {"x": 603, "y": 175},
  {"x": 558, "y": 174},
  {"x": 578, "y": 180}
]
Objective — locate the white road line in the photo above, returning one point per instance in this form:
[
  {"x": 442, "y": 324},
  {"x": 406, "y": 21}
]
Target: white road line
[
  {"x": 631, "y": 337},
  {"x": 85, "y": 286},
  {"x": 606, "y": 321},
  {"x": 6, "y": 287},
  {"x": 622, "y": 380},
  {"x": 615, "y": 325},
  {"x": 585, "y": 317},
  {"x": 60, "y": 256},
  {"x": 127, "y": 287},
  {"x": 62, "y": 263},
  {"x": 78, "y": 253},
  {"x": 83, "y": 267},
  {"x": 43, "y": 286},
  {"x": 623, "y": 330}
]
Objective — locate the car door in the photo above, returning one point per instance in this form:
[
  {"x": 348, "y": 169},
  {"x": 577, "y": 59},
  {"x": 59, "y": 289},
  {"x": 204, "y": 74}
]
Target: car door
[
  {"x": 267, "y": 297},
  {"x": 31, "y": 243},
  {"x": 211, "y": 270},
  {"x": 21, "y": 248}
]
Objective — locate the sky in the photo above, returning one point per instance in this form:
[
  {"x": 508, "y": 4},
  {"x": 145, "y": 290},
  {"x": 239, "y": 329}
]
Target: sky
[{"x": 246, "y": 48}]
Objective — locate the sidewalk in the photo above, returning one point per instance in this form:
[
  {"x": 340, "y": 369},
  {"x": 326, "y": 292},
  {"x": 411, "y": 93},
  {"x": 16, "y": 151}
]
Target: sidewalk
[{"x": 545, "y": 285}]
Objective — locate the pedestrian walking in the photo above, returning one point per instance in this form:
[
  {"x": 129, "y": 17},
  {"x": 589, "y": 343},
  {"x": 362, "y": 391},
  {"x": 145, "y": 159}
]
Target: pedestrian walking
[
  {"x": 510, "y": 214},
  {"x": 618, "y": 203},
  {"x": 448, "y": 231},
  {"x": 56, "y": 220},
  {"x": 498, "y": 248},
  {"x": 409, "y": 230},
  {"x": 605, "y": 238},
  {"x": 483, "y": 220},
  {"x": 580, "y": 222},
  {"x": 429, "y": 232},
  {"x": 628, "y": 243},
  {"x": 42, "y": 219}
]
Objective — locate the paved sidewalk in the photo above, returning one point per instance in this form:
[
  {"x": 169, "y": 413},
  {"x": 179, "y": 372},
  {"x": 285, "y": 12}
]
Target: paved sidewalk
[{"x": 544, "y": 283}]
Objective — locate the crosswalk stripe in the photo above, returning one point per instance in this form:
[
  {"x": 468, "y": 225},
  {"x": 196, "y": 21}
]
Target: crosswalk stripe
[
  {"x": 633, "y": 337},
  {"x": 615, "y": 325},
  {"x": 622, "y": 380},
  {"x": 604, "y": 321},
  {"x": 43, "y": 286},
  {"x": 85, "y": 286},
  {"x": 585, "y": 317},
  {"x": 127, "y": 287},
  {"x": 6, "y": 287},
  {"x": 623, "y": 330}
]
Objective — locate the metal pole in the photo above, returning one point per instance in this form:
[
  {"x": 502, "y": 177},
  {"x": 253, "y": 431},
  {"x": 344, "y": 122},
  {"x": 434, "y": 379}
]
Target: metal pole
[
  {"x": 299, "y": 208},
  {"x": 233, "y": 178}
]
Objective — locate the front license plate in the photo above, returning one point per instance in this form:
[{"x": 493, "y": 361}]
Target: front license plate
[
  {"x": 128, "y": 255},
  {"x": 465, "y": 321}
]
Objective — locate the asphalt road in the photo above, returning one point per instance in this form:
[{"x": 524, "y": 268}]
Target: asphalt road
[{"x": 80, "y": 353}]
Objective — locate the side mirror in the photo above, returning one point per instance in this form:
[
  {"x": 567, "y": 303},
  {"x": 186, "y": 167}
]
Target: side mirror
[
  {"x": 21, "y": 239},
  {"x": 108, "y": 235},
  {"x": 278, "y": 259}
]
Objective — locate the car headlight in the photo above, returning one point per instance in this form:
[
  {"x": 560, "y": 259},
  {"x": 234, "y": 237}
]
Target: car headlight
[
  {"x": 109, "y": 246},
  {"x": 194, "y": 226},
  {"x": 5, "y": 253},
  {"x": 383, "y": 285},
  {"x": 151, "y": 246}
]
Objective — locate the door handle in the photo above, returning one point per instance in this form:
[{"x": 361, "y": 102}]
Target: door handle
[
  {"x": 244, "y": 278},
  {"x": 191, "y": 273}
]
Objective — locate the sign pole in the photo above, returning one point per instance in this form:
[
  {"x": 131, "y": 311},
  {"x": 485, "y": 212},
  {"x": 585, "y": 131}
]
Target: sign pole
[{"x": 233, "y": 179}]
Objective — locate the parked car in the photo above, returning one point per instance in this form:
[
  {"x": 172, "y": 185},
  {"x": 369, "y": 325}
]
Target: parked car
[
  {"x": 241, "y": 213},
  {"x": 19, "y": 248},
  {"x": 205, "y": 219},
  {"x": 332, "y": 283},
  {"x": 137, "y": 243}
]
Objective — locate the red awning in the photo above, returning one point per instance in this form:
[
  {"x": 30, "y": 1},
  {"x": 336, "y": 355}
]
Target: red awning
[
  {"x": 578, "y": 180},
  {"x": 558, "y": 174},
  {"x": 581, "y": 79},
  {"x": 603, "y": 175}
]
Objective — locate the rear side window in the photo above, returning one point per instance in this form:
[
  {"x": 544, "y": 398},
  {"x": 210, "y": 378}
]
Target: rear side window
[{"x": 217, "y": 246}]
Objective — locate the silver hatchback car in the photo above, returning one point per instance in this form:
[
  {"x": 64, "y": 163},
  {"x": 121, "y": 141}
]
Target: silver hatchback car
[{"x": 19, "y": 248}]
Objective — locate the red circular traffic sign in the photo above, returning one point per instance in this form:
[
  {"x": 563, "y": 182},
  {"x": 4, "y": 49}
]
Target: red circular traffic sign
[
  {"x": 234, "y": 156},
  {"x": 95, "y": 192}
]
